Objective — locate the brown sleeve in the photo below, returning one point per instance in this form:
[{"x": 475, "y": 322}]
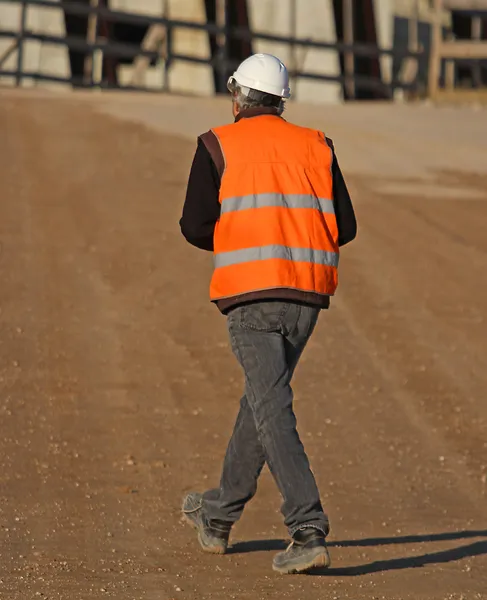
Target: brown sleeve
[{"x": 212, "y": 144}]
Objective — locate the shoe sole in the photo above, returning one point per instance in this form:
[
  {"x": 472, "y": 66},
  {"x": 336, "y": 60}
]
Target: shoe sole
[
  {"x": 210, "y": 549},
  {"x": 321, "y": 561}
]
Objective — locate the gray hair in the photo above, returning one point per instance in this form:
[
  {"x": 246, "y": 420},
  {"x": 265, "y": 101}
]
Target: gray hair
[{"x": 247, "y": 98}]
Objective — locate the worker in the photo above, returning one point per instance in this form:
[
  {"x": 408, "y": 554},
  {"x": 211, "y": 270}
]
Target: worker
[{"x": 267, "y": 197}]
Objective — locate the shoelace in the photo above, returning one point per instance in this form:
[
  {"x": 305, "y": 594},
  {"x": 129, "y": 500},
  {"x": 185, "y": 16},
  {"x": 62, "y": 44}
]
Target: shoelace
[{"x": 187, "y": 511}]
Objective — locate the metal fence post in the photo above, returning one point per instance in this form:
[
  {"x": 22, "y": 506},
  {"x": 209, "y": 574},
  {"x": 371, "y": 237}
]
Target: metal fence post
[
  {"x": 20, "y": 52},
  {"x": 293, "y": 19},
  {"x": 222, "y": 56},
  {"x": 91, "y": 38},
  {"x": 348, "y": 37},
  {"x": 168, "y": 62},
  {"x": 476, "y": 29}
]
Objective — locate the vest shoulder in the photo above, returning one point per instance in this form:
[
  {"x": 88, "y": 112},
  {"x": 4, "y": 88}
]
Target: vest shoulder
[
  {"x": 308, "y": 130},
  {"x": 220, "y": 129},
  {"x": 273, "y": 123}
]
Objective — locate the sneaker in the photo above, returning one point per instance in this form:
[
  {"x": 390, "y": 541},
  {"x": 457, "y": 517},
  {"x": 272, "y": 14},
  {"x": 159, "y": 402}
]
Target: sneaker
[
  {"x": 212, "y": 535},
  {"x": 306, "y": 551}
]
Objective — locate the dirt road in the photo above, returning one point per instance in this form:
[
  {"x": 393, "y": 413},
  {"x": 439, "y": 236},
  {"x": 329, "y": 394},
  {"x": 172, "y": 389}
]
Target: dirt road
[{"x": 118, "y": 389}]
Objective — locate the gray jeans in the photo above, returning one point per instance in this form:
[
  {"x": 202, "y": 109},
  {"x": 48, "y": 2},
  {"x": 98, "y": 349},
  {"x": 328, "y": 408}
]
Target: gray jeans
[{"x": 268, "y": 339}]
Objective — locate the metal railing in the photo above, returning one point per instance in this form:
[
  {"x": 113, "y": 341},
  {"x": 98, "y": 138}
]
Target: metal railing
[{"x": 221, "y": 62}]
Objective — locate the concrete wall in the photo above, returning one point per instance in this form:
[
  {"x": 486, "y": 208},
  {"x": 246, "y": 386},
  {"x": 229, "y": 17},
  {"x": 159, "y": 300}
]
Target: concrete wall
[
  {"x": 187, "y": 77},
  {"x": 314, "y": 19},
  {"x": 184, "y": 77},
  {"x": 50, "y": 59},
  {"x": 153, "y": 8}
]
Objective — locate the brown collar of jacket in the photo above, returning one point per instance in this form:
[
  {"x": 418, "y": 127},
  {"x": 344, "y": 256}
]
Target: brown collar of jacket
[{"x": 256, "y": 112}]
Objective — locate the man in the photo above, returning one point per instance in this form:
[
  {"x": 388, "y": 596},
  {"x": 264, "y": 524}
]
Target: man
[{"x": 268, "y": 198}]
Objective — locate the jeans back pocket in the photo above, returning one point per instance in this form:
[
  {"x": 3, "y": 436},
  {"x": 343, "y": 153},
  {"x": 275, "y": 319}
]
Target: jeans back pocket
[{"x": 263, "y": 316}]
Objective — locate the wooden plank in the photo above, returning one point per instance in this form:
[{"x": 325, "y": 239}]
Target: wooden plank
[
  {"x": 435, "y": 55},
  {"x": 155, "y": 35},
  {"x": 465, "y": 4},
  {"x": 91, "y": 36},
  {"x": 450, "y": 69},
  {"x": 8, "y": 52},
  {"x": 463, "y": 49},
  {"x": 410, "y": 65}
]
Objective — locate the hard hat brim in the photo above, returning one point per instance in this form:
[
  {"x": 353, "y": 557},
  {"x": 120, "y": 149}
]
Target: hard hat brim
[{"x": 260, "y": 86}]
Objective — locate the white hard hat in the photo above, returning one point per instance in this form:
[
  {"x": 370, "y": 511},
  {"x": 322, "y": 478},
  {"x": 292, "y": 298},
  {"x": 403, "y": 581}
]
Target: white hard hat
[{"x": 262, "y": 72}]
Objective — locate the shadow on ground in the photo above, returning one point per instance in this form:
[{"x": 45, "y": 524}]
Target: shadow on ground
[{"x": 409, "y": 562}]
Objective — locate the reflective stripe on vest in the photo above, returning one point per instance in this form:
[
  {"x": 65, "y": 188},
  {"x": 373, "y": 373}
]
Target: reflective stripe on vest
[
  {"x": 318, "y": 257},
  {"x": 277, "y": 227},
  {"x": 276, "y": 199}
]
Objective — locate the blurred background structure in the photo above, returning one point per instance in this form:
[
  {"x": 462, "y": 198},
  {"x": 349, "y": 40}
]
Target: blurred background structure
[{"x": 336, "y": 49}]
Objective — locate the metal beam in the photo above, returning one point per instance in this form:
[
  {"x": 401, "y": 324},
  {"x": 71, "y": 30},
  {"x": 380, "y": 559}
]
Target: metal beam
[
  {"x": 465, "y": 5},
  {"x": 464, "y": 49}
]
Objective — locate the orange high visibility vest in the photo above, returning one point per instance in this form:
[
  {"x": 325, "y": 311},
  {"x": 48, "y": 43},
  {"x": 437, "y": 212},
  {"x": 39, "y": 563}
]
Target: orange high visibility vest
[{"x": 277, "y": 227}]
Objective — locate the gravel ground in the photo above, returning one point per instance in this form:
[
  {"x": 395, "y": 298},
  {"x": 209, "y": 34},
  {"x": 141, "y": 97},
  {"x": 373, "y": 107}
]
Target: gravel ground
[{"x": 118, "y": 389}]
